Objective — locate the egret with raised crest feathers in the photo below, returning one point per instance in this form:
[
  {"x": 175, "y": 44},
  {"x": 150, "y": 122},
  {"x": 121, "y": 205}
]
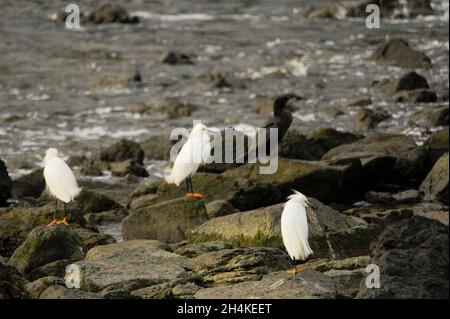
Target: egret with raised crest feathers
[{"x": 294, "y": 228}]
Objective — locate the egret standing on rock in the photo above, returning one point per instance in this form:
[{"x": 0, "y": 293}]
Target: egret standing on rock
[
  {"x": 294, "y": 228},
  {"x": 60, "y": 182},
  {"x": 194, "y": 152}
]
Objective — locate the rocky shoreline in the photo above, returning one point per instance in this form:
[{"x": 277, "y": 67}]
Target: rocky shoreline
[{"x": 381, "y": 196}]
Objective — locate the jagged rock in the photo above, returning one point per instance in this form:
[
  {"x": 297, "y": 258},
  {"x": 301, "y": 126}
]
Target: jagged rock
[
  {"x": 55, "y": 268},
  {"x": 60, "y": 292},
  {"x": 92, "y": 238},
  {"x": 196, "y": 249},
  {"x": 412, "y": 256},
  {"x": 416, "y": 96},
  {"x": 261, "y": 227},
  {"x": 430, "y": 117},
  {"x": 436, "y": 145},
  {"x": 367, "y": 119},
  {"x": 277, "y": 285},
  {"x": 435, "y": 185},
  {"x": 410, "y": 81},
  {"x": 110, "y": 13},
  {"x": 47, "y": 244},
  {"x": 175, "y": 57},
  {"x": 298, "y": 146},
  {"x": 5, "y": 184},
  {"x": 219, "y": 208},
  {"x": 97, "y": 253},
  {"x": 121, "y": 151},
  {"x": 116, "y": 272},
  {"x": 30, "y": 185},
  {"x": 121, "y": 80},
  {"x": 168, "y": 221},
  {"x": 157, "y": 147},
  {"x": 128, "y": 167},
  {"x": 397, "y": 52},
  {"x": 12, "y": 282},
  {"x": 239, "y": 264},
  {"x": 409, "y": 161},
  {"x": 34, "y": 289}
]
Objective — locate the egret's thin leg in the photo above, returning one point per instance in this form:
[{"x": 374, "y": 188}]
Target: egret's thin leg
[
  {"x": 187, "y": 185},
  {"x": 190, "y": 184},
  {"x": 56, "y": 207},
  {"x": 64, "y": 221}
]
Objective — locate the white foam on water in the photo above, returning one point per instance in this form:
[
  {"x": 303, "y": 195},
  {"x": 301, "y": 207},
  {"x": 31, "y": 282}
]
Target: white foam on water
[
  {"x": 173, "y": 17},
  {"x": 306, "y": 117},
  {"x": 297, "y": 67}
]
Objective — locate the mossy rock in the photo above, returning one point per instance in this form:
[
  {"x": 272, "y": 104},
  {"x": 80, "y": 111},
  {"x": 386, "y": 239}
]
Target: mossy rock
[
  {"x": 168, "y": 221},
  {"x": 47, "y": 244},
  {"x": 121, "y": 151}
]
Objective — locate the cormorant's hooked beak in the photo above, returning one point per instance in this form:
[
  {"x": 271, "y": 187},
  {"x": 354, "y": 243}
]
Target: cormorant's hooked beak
[{"x": 308, "y": 204}]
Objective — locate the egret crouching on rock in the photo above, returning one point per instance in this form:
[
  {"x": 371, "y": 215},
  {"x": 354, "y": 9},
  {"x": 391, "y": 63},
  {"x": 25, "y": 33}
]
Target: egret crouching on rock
[
  {"x": 294, "y": 228},
  {"x": 194, "y": 152},
  {"x": 60, "y": 182}
]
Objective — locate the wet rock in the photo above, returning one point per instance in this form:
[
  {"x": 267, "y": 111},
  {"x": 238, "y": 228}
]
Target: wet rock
[
  {"x": 5, "y": 184},
  {"x": 298, "y": 146},
  {"x": 309, "y": 284},
  {"x": 435, "y": 185},
  {"x": 121, "y": 151},
  {"x": 110, "y": 13},
  {"x": 397, "y": 52},
  {"x": 161, "y": 291},
  {"x": 413, "y": 259},
  {"x": 175, "y": 57},
  {"x": 61, "y": 292},
  {"x": 92, "y": 238},
  {"x": 329, "y": 11},
  {"x": 261, "y": 227},
  {"x": 416, "y": 96},
  {"x": 368, "y": 119},
  {"x": 30, "y": 185},
  {"x": 408, "y": 159},
  {"x": 115, "y": 273},
  {"x": 129, "y": 168},
  {"x": 194, "y": 250},
  {"x": 219, "y": 208},
  {"x": 430, "y": 117},
  {"x": 34, "y": 289},
  {"x": 47, "y": 244},
  {"x": 168, "y": 221},
  {"x": 408, "y": 82},
  {"x": 12, "y": 282},
  {"x": 239, "y": 264},
  {"x": 361, "y": 102}
]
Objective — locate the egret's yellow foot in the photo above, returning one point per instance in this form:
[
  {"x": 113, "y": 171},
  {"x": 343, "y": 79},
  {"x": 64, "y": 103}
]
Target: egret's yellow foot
[
  {"x": 53, "y": 222},
  {"x": 198, "y": 195},
  {"x": 64, "y": 221},
  {"x": 296, "y": 270}
]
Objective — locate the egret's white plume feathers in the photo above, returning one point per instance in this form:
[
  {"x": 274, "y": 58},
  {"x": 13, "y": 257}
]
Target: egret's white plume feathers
[
  {"x": 59, "y": 178},
  {"x": 294, "y": 227}
]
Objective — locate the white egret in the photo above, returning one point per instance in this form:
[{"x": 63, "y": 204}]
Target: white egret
[
  {"x": 294, "y": 228},
  {"x": 60, "y": 182},
  {"x": 194, "y": 152}
]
